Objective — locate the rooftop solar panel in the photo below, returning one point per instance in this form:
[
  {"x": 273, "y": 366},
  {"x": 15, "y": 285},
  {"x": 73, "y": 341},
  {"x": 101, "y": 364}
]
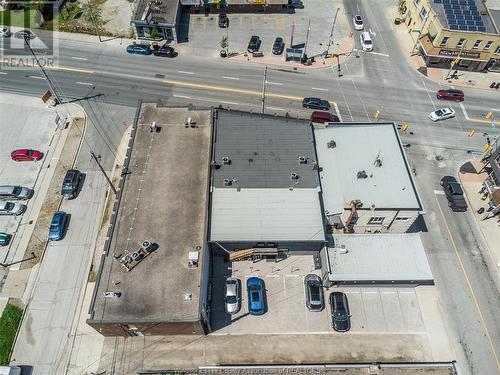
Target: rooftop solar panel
[
  {"x": 469, "y": 17},
  {"x": 471, "y": 28},
  {"x": 461, "y": 22},
  {"x": 472, "y": 23},
  {"x": 481, "y": 28},
  {"x": 462, "y": 27},
  {"x": 454, "y": 27}
]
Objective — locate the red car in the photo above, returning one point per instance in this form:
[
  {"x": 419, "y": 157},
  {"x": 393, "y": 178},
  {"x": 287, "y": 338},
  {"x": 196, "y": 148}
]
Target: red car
[
  {"x": 26, "y": 154},
  {"x": 322, "y": 117},
  {"x": 451, "y": 94}
]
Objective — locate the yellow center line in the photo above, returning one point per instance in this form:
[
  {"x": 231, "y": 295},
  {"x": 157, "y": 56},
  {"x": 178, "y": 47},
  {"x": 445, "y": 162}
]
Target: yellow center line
[
  {"x": 230, "y": 89},
  {"x": 469, "y": 285}
]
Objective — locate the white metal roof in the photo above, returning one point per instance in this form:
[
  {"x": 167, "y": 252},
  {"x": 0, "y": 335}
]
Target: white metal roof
[
  {"x": 357, "y": 148},
  {"x": 379, "y": 257},
  {"x": 266, "y": 214}
]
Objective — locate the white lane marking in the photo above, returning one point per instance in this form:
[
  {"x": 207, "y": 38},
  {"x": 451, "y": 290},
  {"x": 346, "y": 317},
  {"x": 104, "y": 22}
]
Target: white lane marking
[
  {"x": 466, "y": 115},
  {"x": 357, "y": 7},
  {"x": 372, "y": 32},
  {"x": 276, "y": 109},
  {"x": 439, "y": 192},
  {"x": 3, "y": 73},
  {"x": 274, "y": 83},
  {"x": 233, "y": 78},
  {"x": 337, "y": 112},
  {"x": 379, "y": 54},
  {"x": 36, "y": 77},
  {"x": 79, "y": 58},
  {"x": 181, "y": 96},
  {"x": 85, "y": 83},
  {"x": 184, "y": 72},
  {"x": 233, "y": 103},
  {"x": 318, "y": 89}
]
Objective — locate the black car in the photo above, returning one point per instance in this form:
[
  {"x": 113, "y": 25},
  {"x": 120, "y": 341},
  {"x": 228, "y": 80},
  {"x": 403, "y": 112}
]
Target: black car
[
  {"x": 341, "y": 320},
  {"x": 254, "y": 44},
  {"x": 316, "y": 103},
  {"x": 454, "y": 194},
  {"x": 223, "y": 20},
  {"x": 165, "y": 51},
  {"x": 278, "y": 46},
  {"x": 314, "y": 293},
  {"x": 70, "y": 183}
]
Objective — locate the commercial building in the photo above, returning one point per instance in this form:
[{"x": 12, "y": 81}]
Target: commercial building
[
  {"x": 492, "y": 182},
  {"x": 460, "y": 32},
  {"x": 265, "y": 185},
  {"x": 156, "y": 19},
  {"x": 153, "y": 274},
  {"x": 366, "y": 182},
  {"x": 235, "y": 5},
  {"x": 384, "y": 259}
]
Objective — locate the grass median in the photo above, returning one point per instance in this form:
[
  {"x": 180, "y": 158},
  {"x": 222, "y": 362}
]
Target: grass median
[{"x": 9, "y": 321}]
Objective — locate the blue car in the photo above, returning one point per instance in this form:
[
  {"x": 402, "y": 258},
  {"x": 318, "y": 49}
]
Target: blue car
[
  {"x": 139, "y": 49},
  {"x": 57, "y": 226},
  {"x": 255, "y": 289}
]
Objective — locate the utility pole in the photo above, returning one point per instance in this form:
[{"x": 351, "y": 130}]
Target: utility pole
[
  {"x": 307, "y": 37},
  {"x": 331, "y": 33},
  {"x": 457, "y": 59},
  {"x": 97, "y": 160},
  {"x": 92, "y": 18},
  {"x": 264, "y": 90},
  {"x": 49, "y": 82}
]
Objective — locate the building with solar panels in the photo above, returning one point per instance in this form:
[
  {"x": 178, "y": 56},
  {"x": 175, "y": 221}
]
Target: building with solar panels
[{"x": 459, "y": 33}]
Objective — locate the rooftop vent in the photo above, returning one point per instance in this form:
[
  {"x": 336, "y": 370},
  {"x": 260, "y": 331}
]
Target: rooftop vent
[
  {"x": 294, "y": 176},
  {"x": 193, "y": 257},
  {"x": 147, "y": 246},
  {"x": 331, "y": 144},
  {"x": 188, "y": 296},
  {"x": 378, "y": 161},
  {"x": 362, "y": 174},
  {"x": 227, "y": 182},
  {"x": 190, "y": 123},
  {"x": 226, "y": 160},
  {"x": 112, "y": 294},
  {"x": 302, "y": 160}
]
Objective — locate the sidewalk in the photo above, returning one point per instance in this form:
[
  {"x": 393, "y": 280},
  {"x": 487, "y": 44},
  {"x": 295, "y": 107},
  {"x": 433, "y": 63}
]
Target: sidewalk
[
  {"x": 465, "y": 79},
  {"x": 490, "y": 228}
]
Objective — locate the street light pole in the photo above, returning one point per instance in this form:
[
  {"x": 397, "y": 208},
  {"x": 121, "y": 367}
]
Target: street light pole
[
  {"x": 454, "y": 61},
  {"x": 97, "y": 160},
  {"x": 307, "y": 37},
  {"x": 331, "y": 33},
  {"x": 264, "y": 90},
  {"x": 47, "y": 78}
]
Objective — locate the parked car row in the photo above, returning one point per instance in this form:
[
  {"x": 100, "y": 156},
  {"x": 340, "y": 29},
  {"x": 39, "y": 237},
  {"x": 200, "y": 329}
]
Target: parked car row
[
  {"x": 145, "y": 49},
  {"x": 315, "y": 301},
  {"x": 255, "y": 42}
]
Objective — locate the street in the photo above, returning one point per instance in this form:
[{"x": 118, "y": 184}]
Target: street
[{"x": 107, "y": 83}]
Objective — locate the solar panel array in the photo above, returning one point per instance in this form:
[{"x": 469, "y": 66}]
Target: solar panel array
[{"x": 462, "y": 15}]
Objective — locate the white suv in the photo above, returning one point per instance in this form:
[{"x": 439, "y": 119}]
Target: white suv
[
  {"x": 366, "y": 41},
  {"x": 358, "y": 22}
]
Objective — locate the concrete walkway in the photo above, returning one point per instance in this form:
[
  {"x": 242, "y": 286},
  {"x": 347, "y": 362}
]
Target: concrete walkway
[{"x": 490, "y": 228}]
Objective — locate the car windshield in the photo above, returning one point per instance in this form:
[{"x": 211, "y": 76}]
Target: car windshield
[
  {"x": 439, "y": 112},
  {"x": 231, "y": 299},
  {"x": 55, "y": 224},
  {"x": 253, "y": 287},
  {"x": 9, "y": 206},
  {"x": 29, "y": 152},
  {"x": 17, "y": 190},
  {"x": 368, "y": 41},
  {"x": 358, "y": 19},
  {"x": 340, "y": 315}
]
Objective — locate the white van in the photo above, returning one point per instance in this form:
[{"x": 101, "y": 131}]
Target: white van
[
  {"x": 10, "y": 370},
  {"x": 366, "y": 41}
]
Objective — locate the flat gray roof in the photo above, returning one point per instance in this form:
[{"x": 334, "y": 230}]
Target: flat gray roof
[
  {"x": 164, "y": 200},
  {"x": 357, "y": 149},
  {"x": 379, "y": 257},
  {"x": 264, "y": 151},
  {"x": 266, "y": 214},
  {"x": 163, "y": 12}
]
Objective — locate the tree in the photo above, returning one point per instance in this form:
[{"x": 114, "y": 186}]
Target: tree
[
  {"x": 155, "y": 34},
  {"x": 223, "y": 43},
  {"x": 402, "y": 7}
]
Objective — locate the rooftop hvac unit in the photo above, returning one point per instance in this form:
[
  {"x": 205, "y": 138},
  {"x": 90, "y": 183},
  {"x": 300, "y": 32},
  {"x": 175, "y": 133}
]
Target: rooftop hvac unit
[
  {"x": 302, "y": 160},
  {"x": 226, "y": 160},
  {"x": 147, "y": 246},
  {"x": 193, "y": 258},
  {"x": 188, "y": 296},
  {"x": 294, "y": 176},
  {"x": 112, "y": 294},
  {"x": 136, "y": 256},
  {"x": 331, "y": 144},
  {"x": 227, "y": 182}
]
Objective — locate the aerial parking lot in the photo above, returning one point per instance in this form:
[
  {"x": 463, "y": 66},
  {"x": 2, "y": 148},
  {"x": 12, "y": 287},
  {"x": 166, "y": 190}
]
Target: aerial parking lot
[
  {"x": 25, "y": 124},
  {"x": 372, "y": 309}
]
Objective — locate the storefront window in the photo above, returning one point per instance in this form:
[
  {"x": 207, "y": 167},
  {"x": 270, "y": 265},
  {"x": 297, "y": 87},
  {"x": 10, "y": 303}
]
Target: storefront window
[
  {"x": 423, "y": 13},
  {"x": 476, "y": 45},
  {"x": 444, "y": 41},
  {"x": 497, "y": 50},
  {"x": 488, "y": 44},
  {"x": 460, "y": 43}
]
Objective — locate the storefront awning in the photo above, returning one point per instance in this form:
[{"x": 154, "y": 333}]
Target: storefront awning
[{"x": 450, "y": 53}]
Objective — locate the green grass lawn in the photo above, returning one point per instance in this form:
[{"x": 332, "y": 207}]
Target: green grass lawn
[
  {"x": 9, "y": 321},
  {"x": 20, "y": 18}
]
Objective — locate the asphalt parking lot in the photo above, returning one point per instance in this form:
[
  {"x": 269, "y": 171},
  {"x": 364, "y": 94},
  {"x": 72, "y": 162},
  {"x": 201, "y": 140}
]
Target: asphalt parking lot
[
  {"x": 373, "y": 309},
  {"x": 26, "y": 124},
  {"x": 205, "y": 35}
]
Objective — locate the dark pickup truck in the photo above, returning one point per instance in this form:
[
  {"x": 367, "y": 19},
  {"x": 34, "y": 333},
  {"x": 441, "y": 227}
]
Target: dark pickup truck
[{"x": 454, "y": 194}]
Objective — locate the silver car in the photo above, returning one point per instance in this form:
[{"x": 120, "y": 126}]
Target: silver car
[
  {"x": 232, "y": 296},
  {"x": 10, "y": 208},
  {"x": 12, "y": 192}
]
